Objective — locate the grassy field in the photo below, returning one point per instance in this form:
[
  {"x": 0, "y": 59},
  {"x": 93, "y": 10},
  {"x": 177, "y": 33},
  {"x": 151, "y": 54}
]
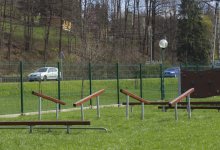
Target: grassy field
[
  {"x": 158, "y": 130},
  {"x": 71, "y": 92}
]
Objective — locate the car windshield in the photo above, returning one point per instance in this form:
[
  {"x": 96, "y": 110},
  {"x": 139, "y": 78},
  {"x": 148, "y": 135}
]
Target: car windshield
[
  {"x": 42, "y": 70},
  {"x": 172, "y": 69}
]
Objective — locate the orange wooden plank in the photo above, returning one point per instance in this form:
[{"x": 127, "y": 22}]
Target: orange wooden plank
[
  {"x": 181, "y": 97},
  {"x": 126, "y": 92},
  {"x": 80, "y": 102},
  {"x": 48, "y": 98}
]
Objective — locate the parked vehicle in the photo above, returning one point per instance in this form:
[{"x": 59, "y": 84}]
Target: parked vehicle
[
  {"x": 172, "y": 72},
  {"x": 44, "y": 73},
  {"x": 217, "y": 64}
]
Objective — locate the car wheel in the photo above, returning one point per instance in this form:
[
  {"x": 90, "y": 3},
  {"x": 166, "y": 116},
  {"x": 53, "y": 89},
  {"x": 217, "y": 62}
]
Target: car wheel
[{"x": 45, "y": 78}]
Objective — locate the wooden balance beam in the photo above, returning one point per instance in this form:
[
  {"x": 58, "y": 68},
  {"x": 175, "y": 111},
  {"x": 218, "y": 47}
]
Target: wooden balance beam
[
  {"x": 138, "y": 98},
  {"x": 178, "y": 100},
  {"x": 55, "y": 100},
  {"x": 96, "y": 94},
  {"x": 82, "y": 101},
  {"x": 151, "y": 103},
  {"x": 147, "y": 102},
  {"x": 52, "y": 99}
]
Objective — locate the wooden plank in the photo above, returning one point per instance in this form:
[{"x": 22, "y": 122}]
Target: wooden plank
[
  {"x": 32, "y": 123},
  {"x": 126, "y": 92},
  {"x": 80, "y": 102},
  {"x": 201, "y": 103},
  {"x": 48, "y": 98},
  {"x": 151, "y": 103},
  {"x": 192, "y": 107},
  {"x": 181, "y": 97},
  {"x": 181, "y": 103}
]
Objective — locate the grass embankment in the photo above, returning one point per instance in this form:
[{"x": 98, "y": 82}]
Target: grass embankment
[{"x": 158, "y": 130}]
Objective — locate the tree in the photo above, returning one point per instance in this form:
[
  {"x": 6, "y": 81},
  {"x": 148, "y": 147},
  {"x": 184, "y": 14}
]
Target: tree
[
  {"x": 10, "y": 30},
  {"x": 193, "y": 44}
]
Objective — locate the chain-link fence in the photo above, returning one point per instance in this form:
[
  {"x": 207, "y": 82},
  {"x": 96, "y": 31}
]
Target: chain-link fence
[{"x": 80, "y": 80}]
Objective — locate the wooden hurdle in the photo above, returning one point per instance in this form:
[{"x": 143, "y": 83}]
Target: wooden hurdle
[
  {"x": 143, "y": 102},
  {"x": 44, "y": 124},
  {"x": 48, "y": 98},
  {"x": 181, "y": 98},
  {"x": 52, "y": 99},
  {"x": 82, "y": 101}
]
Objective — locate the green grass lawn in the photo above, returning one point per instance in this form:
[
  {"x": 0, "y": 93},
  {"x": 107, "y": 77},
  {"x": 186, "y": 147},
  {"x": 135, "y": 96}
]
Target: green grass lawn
[
  {"x": 71, "y": 92},
  {"x": 158, "y": 130}
]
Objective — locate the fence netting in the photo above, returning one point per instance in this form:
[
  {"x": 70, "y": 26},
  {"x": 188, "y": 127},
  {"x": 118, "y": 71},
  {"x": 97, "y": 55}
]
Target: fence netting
[{"x": 78, "y": 81}]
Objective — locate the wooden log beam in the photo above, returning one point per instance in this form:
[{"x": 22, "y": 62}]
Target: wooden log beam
[
  {"x": 80, "y": 102},
  {"x": 126, "y": 92},
  {"x": 181, "y": 97},
  {"x": 55, "y": 100}
]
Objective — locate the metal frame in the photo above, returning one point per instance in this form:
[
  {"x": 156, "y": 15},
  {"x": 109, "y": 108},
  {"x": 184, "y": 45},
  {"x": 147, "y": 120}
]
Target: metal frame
[
  {"x": 127, "y": 107},
  {"x": 68, "y": 127}
]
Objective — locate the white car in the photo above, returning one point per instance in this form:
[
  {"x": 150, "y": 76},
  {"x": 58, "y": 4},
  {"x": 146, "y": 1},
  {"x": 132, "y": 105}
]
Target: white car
[{"x": 44, "y": 73}]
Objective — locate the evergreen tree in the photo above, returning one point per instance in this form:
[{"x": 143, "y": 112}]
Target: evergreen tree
[{"x": 193, "y": 40}]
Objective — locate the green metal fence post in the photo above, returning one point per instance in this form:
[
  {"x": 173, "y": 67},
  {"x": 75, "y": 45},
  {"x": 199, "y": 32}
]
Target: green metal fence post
[
  {"x": 162, "y": 82},
  {"x": 59, "y": 96},
  {"x": 141, "y": 86},
  {"x": 90, "y": 82},
  {"x": 162, "y": 86},
  {"x": 21, "y": 87},
  {"x": 117, "y": 74}
]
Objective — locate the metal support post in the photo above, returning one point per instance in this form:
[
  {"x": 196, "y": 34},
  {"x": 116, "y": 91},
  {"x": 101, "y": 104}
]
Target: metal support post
[
  {"x": 68, "y": 129},
  {"x": 40, "y": 108},
  {"x": 162, "y": 44},
  {"x": 40, "y": 101},
  {"x": 162, "y": 84},
  {"x": 82, "y": 113},
  {"x": 117, "y": 71},
  {"x": 97, "y": 103},
  {"x": 57, "y": 111},
  {"x": 127, "y": 107},
  {"x": 141, "y": 84},
  {"x": 176, "y": 113},
  {"x": 188, "y": 107},
  {"x": 31, "y": 129},
  {"x": 21, "y": 87},
  {"x": 90, "y": 82},
  {"x": 142, "y": 110},
  {"x": 59, "y": 88}
]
